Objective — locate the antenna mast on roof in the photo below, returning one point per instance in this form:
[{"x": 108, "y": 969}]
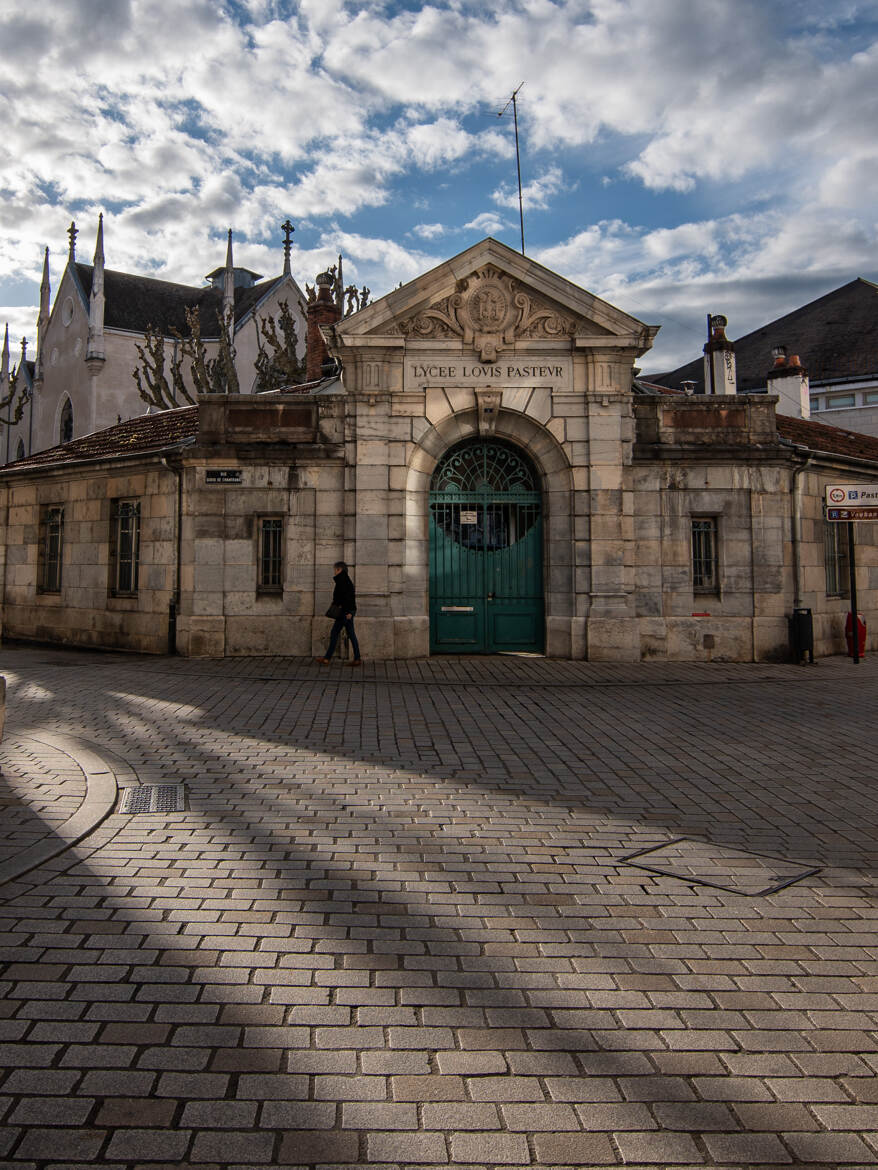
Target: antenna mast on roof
[{"x": 514, "y": 103}]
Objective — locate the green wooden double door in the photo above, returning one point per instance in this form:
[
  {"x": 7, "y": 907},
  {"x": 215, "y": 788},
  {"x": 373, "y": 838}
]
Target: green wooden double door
[{"x": 486, "y": 552}]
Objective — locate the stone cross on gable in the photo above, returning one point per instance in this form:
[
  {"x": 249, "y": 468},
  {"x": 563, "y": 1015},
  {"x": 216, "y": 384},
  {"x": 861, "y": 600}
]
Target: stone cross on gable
[{"x": 288, "y": 230}]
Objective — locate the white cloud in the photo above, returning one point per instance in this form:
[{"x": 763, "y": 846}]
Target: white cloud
[
  {"x": 429, "y": 231},
  {"x": 535, "y": 195},
  {"x": 750, "y": 268},
  {"x": 488, "y": 223}
]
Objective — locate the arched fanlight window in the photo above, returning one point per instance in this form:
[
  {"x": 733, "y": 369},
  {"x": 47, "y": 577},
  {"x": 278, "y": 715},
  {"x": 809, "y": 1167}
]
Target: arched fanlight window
[
  {"x": 19, "y": 450},
  {"x": 65, "y": 433}
]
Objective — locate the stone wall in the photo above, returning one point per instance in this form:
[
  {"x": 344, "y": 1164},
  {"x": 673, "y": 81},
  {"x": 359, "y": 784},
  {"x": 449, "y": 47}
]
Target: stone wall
[
  {"x": 719, "y": 457},
  {"x": 85, "y": 612}
]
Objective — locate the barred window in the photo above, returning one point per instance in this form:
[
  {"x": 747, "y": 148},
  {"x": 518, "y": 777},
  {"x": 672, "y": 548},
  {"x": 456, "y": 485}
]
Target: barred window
[
  {"x": 51, "y": 549},
  {"x": 705, "y": 574},
  {"x": 835, "y": 558},
  {"x": 270, "y": 554},
  {"x": 125, "y": 547}
]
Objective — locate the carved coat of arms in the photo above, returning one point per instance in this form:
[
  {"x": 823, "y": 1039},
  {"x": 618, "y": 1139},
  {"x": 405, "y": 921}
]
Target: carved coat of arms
[{"x": 489, "y": 311}]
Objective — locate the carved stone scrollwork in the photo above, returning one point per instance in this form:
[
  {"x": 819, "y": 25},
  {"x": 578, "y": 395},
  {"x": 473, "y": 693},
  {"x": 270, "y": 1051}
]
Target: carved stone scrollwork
[
  {"x": 488, "y": 406},
  {"x": 489, "y": 311}
]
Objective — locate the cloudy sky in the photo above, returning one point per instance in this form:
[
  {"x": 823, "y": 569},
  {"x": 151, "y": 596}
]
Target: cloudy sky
[{"x": 678, "y": 156}]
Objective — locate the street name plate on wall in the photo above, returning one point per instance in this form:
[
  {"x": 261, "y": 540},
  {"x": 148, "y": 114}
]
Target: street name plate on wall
[{"x": 222, "y": 475}]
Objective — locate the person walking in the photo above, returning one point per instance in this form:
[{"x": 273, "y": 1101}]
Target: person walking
[{"x": 343, "y": 608}]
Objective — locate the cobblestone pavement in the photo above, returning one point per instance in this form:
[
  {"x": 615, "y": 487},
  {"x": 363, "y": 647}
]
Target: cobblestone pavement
[
  {"x": 40, "y": 788},
  {"x": 394, "y": 927}
]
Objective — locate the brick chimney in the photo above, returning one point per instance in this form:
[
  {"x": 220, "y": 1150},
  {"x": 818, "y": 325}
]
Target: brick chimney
[
  {"x": 323, "y": 310},
  {"x": 788, "y": 379},
  {"x": 719, "y": 356}
]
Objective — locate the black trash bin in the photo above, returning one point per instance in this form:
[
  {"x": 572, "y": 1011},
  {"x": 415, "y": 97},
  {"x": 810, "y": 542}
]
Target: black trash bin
[{"x": 802, "y": 635}]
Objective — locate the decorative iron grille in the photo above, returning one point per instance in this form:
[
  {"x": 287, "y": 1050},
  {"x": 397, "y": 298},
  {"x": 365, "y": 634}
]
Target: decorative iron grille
[
  {"x": 704, "y": 555},
  {"x": 271, "y": 561},
  {"x": 52, "y": 550},
  {"x": 490, "y": 467},
  {"x": 127, "y": 546}
]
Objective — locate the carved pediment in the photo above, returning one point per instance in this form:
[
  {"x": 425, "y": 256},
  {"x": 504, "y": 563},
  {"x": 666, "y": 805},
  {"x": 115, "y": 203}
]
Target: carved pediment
[{"x": 490, "y": 311}]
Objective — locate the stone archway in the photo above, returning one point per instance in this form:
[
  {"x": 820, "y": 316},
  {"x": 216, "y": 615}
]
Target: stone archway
[{"x": 564, "y": 627}]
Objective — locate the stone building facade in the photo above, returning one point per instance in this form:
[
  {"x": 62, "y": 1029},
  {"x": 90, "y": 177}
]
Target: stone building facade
[{"x": 490, "y": 469}]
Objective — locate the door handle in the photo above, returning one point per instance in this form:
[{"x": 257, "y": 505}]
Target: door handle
[{"x": 490, "y": 597}]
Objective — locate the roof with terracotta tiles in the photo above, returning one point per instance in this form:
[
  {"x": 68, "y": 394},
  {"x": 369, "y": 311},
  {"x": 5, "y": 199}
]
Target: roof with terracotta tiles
[
  {"x": 147, "y": 432},
  {"x": 833, "y": 440}
]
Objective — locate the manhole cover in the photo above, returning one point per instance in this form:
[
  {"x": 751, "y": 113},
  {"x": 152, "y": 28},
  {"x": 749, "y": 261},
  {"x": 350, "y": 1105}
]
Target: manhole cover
[
  {"x": 153, "y": 798},
  {"x": 734, "y": 870}
]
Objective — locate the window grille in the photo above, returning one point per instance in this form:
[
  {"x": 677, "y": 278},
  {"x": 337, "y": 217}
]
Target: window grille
[
  {"x": 705, "y": 576},
  {"x": 126, "y": 547},
  {"x": 51, "y": 549},
  {"x": 835, "y": 559},
  {"x": 270, "y": 554}
]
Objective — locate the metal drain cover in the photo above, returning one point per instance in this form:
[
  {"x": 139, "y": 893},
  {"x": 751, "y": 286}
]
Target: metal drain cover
[
  {"x": 153, "y": 798},
  {"x": 734, "y": 870}
]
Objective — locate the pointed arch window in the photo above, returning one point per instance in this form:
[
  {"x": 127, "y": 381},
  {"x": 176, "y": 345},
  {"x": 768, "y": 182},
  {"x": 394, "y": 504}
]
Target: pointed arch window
[
  {"x": 19, "y": 450},
  {"x": 65, "y": 431}
]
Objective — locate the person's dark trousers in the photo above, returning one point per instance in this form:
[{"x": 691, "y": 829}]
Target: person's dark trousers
[{"x": 338, "y": 625}]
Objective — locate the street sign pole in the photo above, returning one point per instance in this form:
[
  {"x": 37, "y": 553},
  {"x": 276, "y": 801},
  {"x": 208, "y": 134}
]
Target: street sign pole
[{"x": 852, "y": 566}]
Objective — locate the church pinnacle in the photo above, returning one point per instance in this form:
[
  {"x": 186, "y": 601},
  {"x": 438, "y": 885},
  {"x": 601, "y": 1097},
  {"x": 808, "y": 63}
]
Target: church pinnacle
[
  {"x": 287, "y": 229},
  {"x": 43, "y": 318},
  {"x": 229, "y": 291},
  {"x": 94, "y": 353}
]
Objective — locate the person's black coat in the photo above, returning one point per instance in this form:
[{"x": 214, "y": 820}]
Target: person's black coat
[{"x": 343, "y": 594}]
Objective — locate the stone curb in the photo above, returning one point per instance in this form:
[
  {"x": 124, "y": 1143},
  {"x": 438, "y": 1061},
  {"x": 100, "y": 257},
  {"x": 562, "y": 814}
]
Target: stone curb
[{"x": 100, "y": 797}]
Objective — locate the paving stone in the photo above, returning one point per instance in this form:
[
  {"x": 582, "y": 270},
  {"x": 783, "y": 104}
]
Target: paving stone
[
  {"x": 232, "y": 1146},
  {"x": 75, "y": 1145},
  {"x": 666, "y": 1149},
  {"x": 219, "y": 1114},
  {"x": 307, "y": 1147},
  {"x": 777, "y": 1118},
  {"x": 829, "y": 1147},
  {"x": 406, "y": 1147},
  {"x": 298, "y": 1114},
  {"x": 574, "y": 1149},
  {"x": 149, "y": 1145},
  {"x": 693, "y": 1116},
  {"x": 540, "y": 1117},
  {"x": 746, "y": 1148},
  {"x": 51, "y": 1111},
  {"x": 494, "y": 1149},
  {"x": 461, "y": 1115},
  {"x": 471, "y": 1063},
  {"x": 429, "y": 1088}
]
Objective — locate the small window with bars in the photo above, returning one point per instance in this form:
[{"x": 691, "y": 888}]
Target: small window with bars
[
  {"x": 51, "y": 549},
  {"x": 270, "y": 554},
  {"x": 705, "y": 559},
  {"x": 125, "y": 548},
  {"x": 835, "y": 558}
]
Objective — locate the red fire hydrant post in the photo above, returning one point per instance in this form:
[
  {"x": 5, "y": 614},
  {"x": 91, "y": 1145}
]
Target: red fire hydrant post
[{"x": 861, "y": 635}]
